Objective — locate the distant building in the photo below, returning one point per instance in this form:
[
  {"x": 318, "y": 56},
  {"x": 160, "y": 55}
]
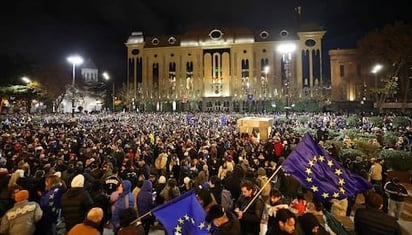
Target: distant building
[
  {"x": 90, "y": 91},
  {"x": 224, "y": 69}
]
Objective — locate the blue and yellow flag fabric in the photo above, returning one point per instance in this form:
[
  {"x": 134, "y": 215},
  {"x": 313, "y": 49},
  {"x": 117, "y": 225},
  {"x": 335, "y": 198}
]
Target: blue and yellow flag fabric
[
  {"x": 183, "y": 216},
  {"x": 320, "y": 173}
]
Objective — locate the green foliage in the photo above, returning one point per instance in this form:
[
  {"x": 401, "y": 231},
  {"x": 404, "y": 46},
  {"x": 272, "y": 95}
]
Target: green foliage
[
  {"x": 376, "y": 120},
  {"x": 303, "y": 119},
  {"x": 353, "y": 121},
  {"x": 350, "y": 153},
  {"x": 396, "y": 159},
  {"x": 282, "y": 119},
  {"x": 390, "y": 138},
  {"x": 366, "y": 147},
  {"x": 302, "y": 130},
  {"x": 400, "y": 121}
]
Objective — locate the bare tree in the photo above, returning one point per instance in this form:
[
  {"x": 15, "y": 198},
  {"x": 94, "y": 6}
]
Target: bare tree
[{"x": 391, "y": 47}]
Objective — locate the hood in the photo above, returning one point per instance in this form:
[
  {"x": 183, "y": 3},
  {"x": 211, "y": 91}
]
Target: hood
[
  {"x": 147, "y": 186},
  {"x": 127, "y": 185}
]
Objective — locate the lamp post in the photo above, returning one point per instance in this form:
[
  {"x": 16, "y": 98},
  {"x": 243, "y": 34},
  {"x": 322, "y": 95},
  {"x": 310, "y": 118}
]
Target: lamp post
[
  {"x": 376, "y": 68},
  {"x": 106, "y": 77},
  {"x": 286, "y": 50},
  {"x": 74, "y": 60}
]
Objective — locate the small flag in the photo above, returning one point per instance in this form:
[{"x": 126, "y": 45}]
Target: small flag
[{"x": 183, "y": 216}]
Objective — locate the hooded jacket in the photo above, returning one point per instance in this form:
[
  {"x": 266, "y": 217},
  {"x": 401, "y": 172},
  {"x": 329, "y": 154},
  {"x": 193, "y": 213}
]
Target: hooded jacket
[
  {"x": 145, "y": 198},
  {"x": 125, "y": 200}
]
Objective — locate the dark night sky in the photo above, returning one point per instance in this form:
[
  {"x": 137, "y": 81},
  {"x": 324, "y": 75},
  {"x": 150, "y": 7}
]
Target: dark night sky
[{"x": 44, "y": 31}]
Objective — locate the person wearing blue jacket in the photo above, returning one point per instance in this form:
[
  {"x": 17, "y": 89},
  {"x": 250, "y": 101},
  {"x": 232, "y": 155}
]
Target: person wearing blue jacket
[
  {"x": 145, "y": 203},
  {"x": 121, "y": 199}
]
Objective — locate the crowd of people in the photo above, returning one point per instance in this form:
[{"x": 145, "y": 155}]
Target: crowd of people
[{"x": 110, "y": 170}]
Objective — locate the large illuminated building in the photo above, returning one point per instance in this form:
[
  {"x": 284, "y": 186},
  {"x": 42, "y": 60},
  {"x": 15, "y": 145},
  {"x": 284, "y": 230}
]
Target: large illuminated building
[{"x": 224, "y": 69}]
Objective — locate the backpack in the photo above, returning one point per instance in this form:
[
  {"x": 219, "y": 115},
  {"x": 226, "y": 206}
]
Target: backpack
[
  {"x": 266, "y": 190},
  {"x": 226, "y": 200}
]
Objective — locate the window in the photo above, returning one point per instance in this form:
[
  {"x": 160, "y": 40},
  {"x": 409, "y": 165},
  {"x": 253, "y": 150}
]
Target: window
[{"x": 342, "y": 70}]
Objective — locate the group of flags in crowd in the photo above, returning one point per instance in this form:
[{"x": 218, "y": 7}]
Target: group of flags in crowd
[{"x": 309, "y": 163}]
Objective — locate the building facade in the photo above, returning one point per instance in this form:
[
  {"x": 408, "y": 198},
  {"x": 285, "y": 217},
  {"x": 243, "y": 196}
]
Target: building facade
[{"x": 224, "y": 69}]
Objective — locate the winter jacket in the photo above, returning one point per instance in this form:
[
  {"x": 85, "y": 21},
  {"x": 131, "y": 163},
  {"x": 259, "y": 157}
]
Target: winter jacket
[
  {"x": 75, "y": 204},
  {"x": 374, "y": 222},
  {"x": 145, "y": 198},
  {"x": 125, "y": 200},
  {"x": 21, "y": 219}
]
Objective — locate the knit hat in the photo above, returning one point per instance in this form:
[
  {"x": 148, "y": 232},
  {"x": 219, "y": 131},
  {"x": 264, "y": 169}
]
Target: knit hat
[
  {"x": 216, "y": 211},
  {"x": 261, "y": 171},
  {"x": 162, "y": 180},
  {"x": 95, "y": 215},
  {"x": 307, "y": 222},
  {"x": 78, "y": 181},
  {"x": 21, "y": 195}
]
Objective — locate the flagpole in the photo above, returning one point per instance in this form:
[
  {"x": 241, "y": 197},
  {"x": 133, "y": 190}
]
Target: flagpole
[{"x": 261, "y": 189}]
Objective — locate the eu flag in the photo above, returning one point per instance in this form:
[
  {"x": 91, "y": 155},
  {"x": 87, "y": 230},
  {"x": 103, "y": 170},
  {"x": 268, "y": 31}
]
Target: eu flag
[
  {"x": 183, "y": 216},
  {"x": 323, "y": 175}
]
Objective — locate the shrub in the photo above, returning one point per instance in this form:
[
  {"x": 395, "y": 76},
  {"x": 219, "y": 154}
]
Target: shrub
[
  {"x": 353, "y": 121},
  {"x": 396, "y": 159},
  {"x": 400, "y": 121},
  {"x": 390, "y": 138},
  {"x": 350, "y": 153},
  {"x": 376, "y": 121}
]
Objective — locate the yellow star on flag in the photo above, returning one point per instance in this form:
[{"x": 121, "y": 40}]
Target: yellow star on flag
[
  {"x": 335, "y": 194},
  {"x": 311, "y": 163},
  {"x": 309, "y": 180},
  {"x": 342, "y": 190},
  {"x": 330, "y": 163},
  {"x": 341, "y": 182},
  {"x": 321, "y": 158},
  {"x": 338, "y": 172},
  {"x": 178, "y": 229},
  {"x": 325, "y": 195},
  {"x": 314, "y": 188},
  {"x": 308, "y": 171},
  {"x": 181, "y": 221},
  {"x": 202, "y": 225}
]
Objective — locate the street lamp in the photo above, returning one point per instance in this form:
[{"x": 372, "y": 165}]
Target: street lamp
[
  {"x": 26, "y": 80},
  {"x": 74, "y": 60},
  {"x": 106, "y": 77},
  {"x": 375, "y": 70},
  {"x": 286, "y": 50}
]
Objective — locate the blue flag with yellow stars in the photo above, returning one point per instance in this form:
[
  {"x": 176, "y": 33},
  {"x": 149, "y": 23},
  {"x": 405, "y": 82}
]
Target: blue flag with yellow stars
[
  {"x": 321, "y": 174},
  {"x": 183, "y": 216}
]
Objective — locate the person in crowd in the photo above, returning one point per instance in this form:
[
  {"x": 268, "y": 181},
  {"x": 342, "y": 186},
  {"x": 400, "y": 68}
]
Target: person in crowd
[
  {"x": 284, "y": 224},
  {"x": 299, "y": 205},
  {"x": 375, "y": 172},
  {"x": 170, "y": 191},
  {"x": 145, "y": 203},
  {"x": 101, "y": 200},
  {"x": 397, "y": 193},
  {"x": 272, "y": 205},
  {"x": 121, "y": 199},
  {"x": 339, "y": 207},
  {"x": 129, "y": 225},
  {"x": 249, "y": 212},
  {"x": 372, "y": 220},
  {"x": 226, "y": 223},
  {"x": 22, "y": 217},
  {"x": 90, "y": 225},
  {"x": 310, "y": 225},
  {"x": 75, "y": 202},
  {"x": 205, "y": 198},
  {"x": 50, "y": 205}
]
